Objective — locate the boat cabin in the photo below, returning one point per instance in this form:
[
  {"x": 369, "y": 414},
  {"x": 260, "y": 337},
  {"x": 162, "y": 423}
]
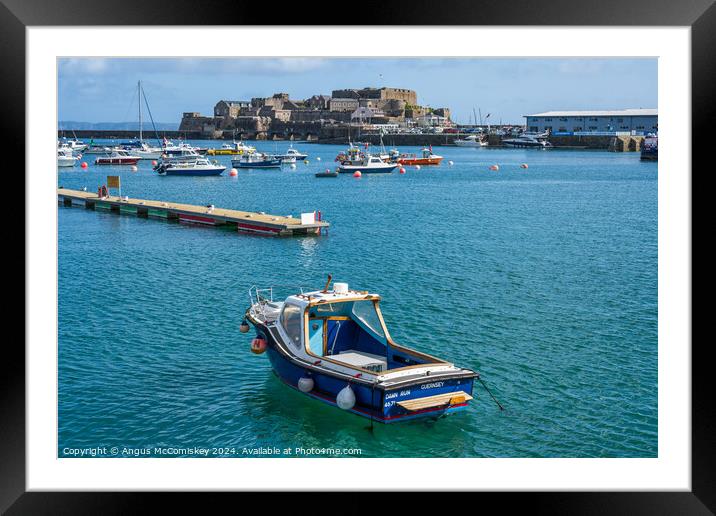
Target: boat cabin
[{"x": 344, "y": 328}]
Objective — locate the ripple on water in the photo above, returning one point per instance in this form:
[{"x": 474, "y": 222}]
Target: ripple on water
[{"x": 543, "y": 279}]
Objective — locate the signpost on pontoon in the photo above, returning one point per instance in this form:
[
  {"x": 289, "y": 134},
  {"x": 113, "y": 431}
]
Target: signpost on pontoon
[{"x": 115, "y": 182}]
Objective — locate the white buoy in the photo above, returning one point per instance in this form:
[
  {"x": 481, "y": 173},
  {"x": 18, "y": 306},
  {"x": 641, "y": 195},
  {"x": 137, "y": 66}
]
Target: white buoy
[
  {"x": 134, "y": 168},
  {"x": 305, "y": 384},
  {"x": 451, "y": 162},
  {"x": 346, "y": 399},
  {"x": 417, "y": 167},
  {"x": 318, "y": 158},
  {"x": 293, "y": 165}
]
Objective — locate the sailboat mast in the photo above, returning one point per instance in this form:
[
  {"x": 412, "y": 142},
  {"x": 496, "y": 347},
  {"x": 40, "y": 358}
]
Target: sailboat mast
[{"x": 139, "y": 101}]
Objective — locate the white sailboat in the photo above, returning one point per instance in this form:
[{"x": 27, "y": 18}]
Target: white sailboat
[{"x": 140, "y": 148}]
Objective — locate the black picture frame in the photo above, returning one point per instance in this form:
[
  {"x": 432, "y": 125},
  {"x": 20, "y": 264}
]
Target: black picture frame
[{"x": 700, "y": 15}]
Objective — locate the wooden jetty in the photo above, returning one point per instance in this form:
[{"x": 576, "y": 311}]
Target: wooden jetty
[{"x": 244, "y": 221}]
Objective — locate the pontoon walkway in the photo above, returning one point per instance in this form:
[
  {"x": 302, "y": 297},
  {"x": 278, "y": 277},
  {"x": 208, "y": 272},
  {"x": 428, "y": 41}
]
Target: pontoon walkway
[{"x": 244, "y": 221}]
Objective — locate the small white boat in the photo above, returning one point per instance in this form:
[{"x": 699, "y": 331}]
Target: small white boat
[
  {"x": 73, "y": 143},
  {"x": 473, "y": 140},
  {"x": 65, "y": 158},
  {"x": 292, "y": 153},
  {"x": 256, "y": 160},
  {"x": 369, "y": 165},
  {"x": 198, "y": 167}
]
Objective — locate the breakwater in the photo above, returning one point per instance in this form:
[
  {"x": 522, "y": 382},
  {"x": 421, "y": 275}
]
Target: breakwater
[{"x": 612, "y": 143}]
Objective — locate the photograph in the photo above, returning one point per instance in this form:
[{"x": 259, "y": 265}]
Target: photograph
[{"x": 357, "y": 257}]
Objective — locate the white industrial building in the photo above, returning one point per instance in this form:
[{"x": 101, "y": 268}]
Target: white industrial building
[{"x": 621, "y": 120}]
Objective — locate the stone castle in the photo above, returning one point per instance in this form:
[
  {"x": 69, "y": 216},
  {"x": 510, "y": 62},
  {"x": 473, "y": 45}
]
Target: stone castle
[{"x": 279, "y": 116}]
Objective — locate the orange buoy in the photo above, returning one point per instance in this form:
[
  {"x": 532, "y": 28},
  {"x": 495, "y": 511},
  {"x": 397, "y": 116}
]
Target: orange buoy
[
  {"x": 524, "y": 165},
  {"x": 233, "y": 172},
  {"x": 84, "y": 164},
  {"x": 494, "y": 167},
  {"x": 357, "y": 173}
]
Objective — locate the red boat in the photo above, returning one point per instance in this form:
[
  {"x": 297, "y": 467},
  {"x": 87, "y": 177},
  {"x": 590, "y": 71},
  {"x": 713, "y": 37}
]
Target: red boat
[
  {"x": 117, "y": 157},
  {"x": 427, "y": 158}
]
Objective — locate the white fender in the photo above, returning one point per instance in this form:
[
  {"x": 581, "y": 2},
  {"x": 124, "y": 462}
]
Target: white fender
[
  {"x": 346, "y": 398},
  {"x": 305, "y": 384}
]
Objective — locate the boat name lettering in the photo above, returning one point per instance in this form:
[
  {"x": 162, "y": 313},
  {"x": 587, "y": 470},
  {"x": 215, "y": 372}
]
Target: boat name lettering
[
  {"x": 432, "y": 385},
  {"x": 396, "y": 394}
]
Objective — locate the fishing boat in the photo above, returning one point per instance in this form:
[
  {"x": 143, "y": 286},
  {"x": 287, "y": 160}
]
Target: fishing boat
[
  {"x": 231, "y": 149},
  {"x": 197, "y": 167},
  {"x": 368, "y": 165},
  {"x": 473, "y": 140},
  {"x": 333, "y": 345},
  {"x": 352, "y": 156},
  {"x": 426, "y": 158},
  {"x": 292, "y": 153},
  {"x": 650, "y": 148},
  {"x": 65, "y": 157},
  {"x": 256, "y": 160},
  {"x": 527, "y": 140},
  {"x": 117, "y": 157}
]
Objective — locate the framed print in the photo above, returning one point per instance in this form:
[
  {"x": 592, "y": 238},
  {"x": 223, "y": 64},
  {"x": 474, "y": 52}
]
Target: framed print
[{"x": 439, "y": 252}]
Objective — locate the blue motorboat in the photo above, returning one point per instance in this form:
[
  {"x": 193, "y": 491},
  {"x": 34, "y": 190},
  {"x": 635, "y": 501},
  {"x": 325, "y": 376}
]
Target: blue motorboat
[
  {"x": 333, "y": 346},
  {"x": 256, "y": 160}
]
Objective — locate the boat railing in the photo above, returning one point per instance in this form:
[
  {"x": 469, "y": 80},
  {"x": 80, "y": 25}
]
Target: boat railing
[{"x": 262, "y": 298}]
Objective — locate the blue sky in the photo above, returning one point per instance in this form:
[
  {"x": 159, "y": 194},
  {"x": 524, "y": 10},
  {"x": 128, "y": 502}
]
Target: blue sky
[{"x": 104, "y": 89}]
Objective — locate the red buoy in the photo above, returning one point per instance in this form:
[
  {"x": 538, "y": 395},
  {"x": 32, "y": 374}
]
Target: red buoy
[
  {"x": 524, "y": 165},
  {"x": 84, "y": 164},
  {"x": 495, "y": 167},
  {"x": 357, "y": 173},
  {"x": 402, "y": 170},
  {"x": 233, "y": 172},
  {"x": 258, "y": 345},
  {"x": 154, "y": 163}
]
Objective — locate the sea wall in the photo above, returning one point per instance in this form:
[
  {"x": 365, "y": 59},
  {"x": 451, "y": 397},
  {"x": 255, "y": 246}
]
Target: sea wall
[{"x": 341, "y": 134}]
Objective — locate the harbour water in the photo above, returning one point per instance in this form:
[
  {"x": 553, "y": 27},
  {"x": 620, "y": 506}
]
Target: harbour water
[{"x": 542, "y": 279}]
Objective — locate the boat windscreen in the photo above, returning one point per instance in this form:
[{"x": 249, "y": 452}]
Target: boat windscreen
[{"x": 365, "y": 312}]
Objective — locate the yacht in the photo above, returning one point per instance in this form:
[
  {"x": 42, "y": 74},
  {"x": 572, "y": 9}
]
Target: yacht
[
  {"x": 473, "y": 140},
  {"x": 529, "y": 140}
]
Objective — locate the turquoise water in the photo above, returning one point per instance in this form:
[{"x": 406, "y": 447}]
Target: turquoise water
[{"x": 542, "y": 279}]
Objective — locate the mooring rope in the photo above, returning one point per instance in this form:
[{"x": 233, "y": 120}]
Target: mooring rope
[{"x": 489, "y": 392}]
